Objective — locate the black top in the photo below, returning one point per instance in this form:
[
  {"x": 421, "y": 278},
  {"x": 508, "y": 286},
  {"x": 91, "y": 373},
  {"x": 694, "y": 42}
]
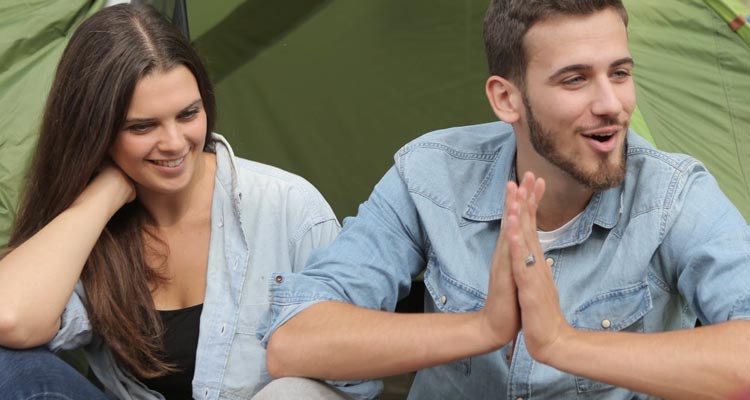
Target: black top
[{"x": 180, "y": 340}]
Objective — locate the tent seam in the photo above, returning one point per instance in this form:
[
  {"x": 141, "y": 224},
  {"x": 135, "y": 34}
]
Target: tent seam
[{"x": 727, "y": 87}]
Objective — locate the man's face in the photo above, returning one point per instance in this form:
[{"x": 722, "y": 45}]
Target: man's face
[{"x": 579, "y": 96}]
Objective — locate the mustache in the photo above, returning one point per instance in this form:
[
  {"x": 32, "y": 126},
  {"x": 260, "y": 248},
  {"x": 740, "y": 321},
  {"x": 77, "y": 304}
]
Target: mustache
[{"x": 603, "y": 123}]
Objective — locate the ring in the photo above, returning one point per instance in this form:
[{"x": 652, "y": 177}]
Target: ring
[{"x": 530, "y": 260}]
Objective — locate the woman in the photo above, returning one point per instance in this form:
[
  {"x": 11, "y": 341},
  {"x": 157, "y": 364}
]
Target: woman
[{"x": 141, "y": 238}]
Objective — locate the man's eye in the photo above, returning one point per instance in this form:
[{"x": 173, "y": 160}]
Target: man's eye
[
  {"x": 621, "y": 73},
  {"x": 573, "y": 81}
]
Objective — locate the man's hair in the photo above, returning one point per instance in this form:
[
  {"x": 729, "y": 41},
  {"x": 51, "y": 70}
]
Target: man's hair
[{"x": 507, "y": 21}]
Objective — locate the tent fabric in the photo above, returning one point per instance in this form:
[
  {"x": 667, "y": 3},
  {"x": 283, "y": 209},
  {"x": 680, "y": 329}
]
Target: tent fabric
[
  {"x": 330, "y": 94},
  {"x": 693, "y": 85},
  {"x": 729, "y": 11},
  {"x": 329, "y": 89},
  {"x": 33, "y": 35}
]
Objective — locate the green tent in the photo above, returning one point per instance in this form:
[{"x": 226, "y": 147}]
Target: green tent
[
  {"x": 329, "y": 89},
  {"x": 693, "y": 80}
]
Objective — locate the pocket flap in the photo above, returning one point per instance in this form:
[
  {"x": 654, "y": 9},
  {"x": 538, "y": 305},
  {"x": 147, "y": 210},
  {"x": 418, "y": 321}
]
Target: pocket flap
[
  {"x": 450, "y": 295},
  {"x": 614, "y": 310}
]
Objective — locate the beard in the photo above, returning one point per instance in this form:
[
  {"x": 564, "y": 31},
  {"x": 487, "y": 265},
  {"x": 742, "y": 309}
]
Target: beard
[{"x": 608, "y": 172}]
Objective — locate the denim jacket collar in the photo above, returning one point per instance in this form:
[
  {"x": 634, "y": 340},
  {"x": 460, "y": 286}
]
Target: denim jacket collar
[
  {"x": 227, "y": 177},
  {"x": 489, "y": 199}
]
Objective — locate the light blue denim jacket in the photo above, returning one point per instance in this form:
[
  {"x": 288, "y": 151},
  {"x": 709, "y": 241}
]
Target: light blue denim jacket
[
  {"x": 649, "y": 255},
  {"x": 263, "y": 219}
]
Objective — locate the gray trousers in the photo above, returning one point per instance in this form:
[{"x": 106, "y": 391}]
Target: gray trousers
[{"x": 298, "y": 388}]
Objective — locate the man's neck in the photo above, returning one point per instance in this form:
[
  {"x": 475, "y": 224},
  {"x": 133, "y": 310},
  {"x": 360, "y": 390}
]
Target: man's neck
[
  {"x": 560, "y": 204},
  {"x": 564, "y": 197}
]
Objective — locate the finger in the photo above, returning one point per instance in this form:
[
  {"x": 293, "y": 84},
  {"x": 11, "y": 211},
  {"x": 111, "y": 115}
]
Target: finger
[
  {"x": 523, "y": 209},
  {"x": 511, "y": 192},
  {"x": 528, "y": 229},
  {"x": 518, "y": 251},
  {"x": 536, "y": 195},
  {"x": 539, "y": 188},
  {"x": 511, "y": 205},
  {"x": 500, "y": 267},
  {"x": 528, "y": 182},
  {"x": 525, "y": 224}
]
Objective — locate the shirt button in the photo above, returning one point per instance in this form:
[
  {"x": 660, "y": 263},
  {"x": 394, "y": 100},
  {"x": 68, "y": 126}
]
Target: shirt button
[
  {"x": 550, "y": 261},
  {"x": 279, "y": 279},
  {"x": 221, "y": 221},
  {"x": 443, "y": 299},
  {"x": 519, "y": 398},
  {"x": 606, "y": 324}
]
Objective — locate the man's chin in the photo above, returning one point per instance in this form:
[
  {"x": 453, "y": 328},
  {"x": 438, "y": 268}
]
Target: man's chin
[{"x": 605, "y": 178}]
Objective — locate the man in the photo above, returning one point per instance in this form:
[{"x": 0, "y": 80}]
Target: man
[{"x": 584, "y": 281}]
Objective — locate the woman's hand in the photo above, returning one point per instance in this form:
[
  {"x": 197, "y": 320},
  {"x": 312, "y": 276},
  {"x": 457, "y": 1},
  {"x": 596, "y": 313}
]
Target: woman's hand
[
  {"x": 112, "y": 182},
  {"x": 38, "y": 277}
]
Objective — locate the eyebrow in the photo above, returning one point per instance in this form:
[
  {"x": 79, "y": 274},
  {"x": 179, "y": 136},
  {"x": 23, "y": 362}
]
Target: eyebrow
[
  {"x": 141, "y": 120},
  {"x": 584, "y": 67}
]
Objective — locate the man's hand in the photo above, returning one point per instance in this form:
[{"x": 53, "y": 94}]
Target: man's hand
[
  {"x": 541, "y": 317},
  {"x": 501, "y": 315}
]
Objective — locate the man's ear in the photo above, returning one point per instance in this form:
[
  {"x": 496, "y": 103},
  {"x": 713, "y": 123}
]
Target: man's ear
[{"x": 505, "y": 99}]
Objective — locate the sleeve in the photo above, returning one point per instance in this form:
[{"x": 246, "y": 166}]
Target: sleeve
[
  {"x": 709, "y": 244},
  {"x": 75, "y": 327},
  {"x": 370, "y": 264},
  {"x": 319, "y": 235}
]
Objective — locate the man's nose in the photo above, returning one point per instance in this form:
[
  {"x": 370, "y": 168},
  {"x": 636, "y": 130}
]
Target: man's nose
[{"x": 606, "y": 101}]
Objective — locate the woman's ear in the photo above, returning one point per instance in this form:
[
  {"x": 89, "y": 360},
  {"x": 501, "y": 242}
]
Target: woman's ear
[{"x": 505, "y": 99}]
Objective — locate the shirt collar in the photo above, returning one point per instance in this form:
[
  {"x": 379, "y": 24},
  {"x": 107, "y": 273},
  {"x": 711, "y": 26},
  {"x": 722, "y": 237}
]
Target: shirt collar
[
  {"x": 489, "y": 198},
  {"x": 488, "y": 201},
  {"x": 226, "y": 171}
]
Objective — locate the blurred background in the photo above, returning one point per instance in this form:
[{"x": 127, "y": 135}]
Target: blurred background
[{"x": 330, "y": 89}]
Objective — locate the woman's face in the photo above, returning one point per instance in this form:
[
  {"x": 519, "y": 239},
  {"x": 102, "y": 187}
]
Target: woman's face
[{"x": 161, "y": 143}]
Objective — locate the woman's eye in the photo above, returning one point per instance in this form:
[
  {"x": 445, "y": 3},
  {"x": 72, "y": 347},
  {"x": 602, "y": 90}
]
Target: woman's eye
[
  {"x": 189, "y": 114},
  {"x": 139, "y": 128}
]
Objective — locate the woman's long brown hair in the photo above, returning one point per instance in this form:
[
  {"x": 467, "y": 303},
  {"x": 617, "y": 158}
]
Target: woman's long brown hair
[{"x": 86, "y": 108}]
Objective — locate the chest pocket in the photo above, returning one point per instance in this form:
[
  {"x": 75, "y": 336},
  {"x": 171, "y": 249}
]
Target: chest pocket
[
  {"x": 450, "y": 295},
  {"x": 618, "y": 310}
]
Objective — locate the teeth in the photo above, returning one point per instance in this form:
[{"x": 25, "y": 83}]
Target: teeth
[
  {"x": 599, "y": 137},
  {"x": 168, "y": 163}
]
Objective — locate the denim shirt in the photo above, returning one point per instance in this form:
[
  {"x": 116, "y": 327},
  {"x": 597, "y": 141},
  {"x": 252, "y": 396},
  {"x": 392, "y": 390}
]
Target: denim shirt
[
  {"x": 653, "y": 254},
  {"x": 263, "y": 219}
]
